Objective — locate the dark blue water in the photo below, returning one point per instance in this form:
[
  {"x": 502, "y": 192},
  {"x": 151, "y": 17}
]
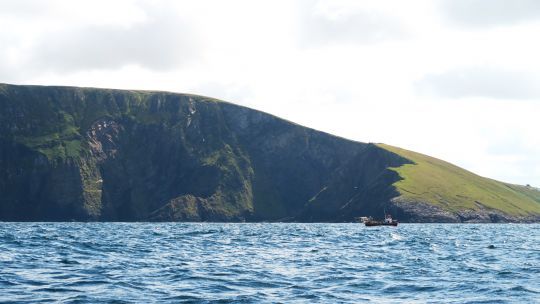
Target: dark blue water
[{"x": 305, "y": 263}]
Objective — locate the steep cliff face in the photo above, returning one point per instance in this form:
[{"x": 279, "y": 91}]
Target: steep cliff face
[
  {"x": 362, "y": 186},
  {"x": 90, "y": 154},
  {"x": 96, "y": 154}
]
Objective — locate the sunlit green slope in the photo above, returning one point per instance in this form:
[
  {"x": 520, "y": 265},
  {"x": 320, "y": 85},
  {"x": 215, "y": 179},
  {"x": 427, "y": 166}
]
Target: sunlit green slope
[{"x": 437, "y": 182}]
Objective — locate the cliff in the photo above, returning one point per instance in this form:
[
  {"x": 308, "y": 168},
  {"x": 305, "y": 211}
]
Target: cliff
[{"x": 90, "y": 154}]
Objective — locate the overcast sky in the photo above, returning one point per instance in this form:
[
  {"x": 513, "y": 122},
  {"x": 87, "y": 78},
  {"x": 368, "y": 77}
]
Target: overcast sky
[{"x": 455, "y": 79}]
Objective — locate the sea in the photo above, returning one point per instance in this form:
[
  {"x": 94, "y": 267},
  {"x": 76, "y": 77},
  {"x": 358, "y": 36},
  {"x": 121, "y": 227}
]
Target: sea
[{"x": 268, "y": 263}]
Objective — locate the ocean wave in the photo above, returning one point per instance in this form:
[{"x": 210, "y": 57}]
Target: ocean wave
[{"x": 253, "y": 263}]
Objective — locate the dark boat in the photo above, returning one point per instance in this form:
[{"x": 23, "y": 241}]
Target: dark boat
[
  {"x": 388, "y": 221},
  {"x": 380, "y": 223}
]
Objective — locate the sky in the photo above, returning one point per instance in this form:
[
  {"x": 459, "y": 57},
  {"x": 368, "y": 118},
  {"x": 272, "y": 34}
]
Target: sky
[{"x": 455, "y": 79}]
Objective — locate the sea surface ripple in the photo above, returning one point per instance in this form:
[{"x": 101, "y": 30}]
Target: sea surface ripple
[{"x": 255, "y": 263}]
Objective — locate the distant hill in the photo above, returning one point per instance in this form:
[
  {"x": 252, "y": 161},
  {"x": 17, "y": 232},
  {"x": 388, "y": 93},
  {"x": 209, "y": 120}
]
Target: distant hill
[{"x": 90, "y": 154}]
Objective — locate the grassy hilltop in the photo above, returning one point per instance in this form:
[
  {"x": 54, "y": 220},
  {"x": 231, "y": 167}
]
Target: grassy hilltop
[
  {"x": 454, "y": 189},
  {"x": 89, "y": 154}
]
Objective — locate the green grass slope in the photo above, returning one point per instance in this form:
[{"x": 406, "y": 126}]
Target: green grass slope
[{"x": 440, "y": 183}]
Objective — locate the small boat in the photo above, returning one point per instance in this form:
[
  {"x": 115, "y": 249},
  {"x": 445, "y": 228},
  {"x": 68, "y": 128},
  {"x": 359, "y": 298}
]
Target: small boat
[
  {"x": 388, "y": 221},
  {"x": 380, "y": 223}
]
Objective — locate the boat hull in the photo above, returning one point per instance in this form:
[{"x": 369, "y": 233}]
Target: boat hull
[{"x": 373, "y": 223}]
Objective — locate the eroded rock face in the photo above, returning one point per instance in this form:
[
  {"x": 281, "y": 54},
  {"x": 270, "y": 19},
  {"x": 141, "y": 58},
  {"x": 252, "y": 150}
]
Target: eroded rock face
[{"x": 103, "y": 138}]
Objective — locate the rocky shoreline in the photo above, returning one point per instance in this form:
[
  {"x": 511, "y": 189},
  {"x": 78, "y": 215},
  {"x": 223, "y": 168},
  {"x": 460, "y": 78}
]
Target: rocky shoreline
[{"x": 421, "y": 212}]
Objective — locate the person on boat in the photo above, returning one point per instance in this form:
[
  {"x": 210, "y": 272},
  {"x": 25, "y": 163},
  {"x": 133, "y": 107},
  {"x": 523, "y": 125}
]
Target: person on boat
[{"x": 388, "y": 219}]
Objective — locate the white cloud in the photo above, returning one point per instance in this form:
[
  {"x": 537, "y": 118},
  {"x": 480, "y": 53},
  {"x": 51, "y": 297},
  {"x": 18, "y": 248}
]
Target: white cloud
[
  {"x": 482, "y": 82},
  {"x": 352, "y": 68},
  {"x": 154, "y": 38},
  {"x": 486, "y": 13},
  {"x": 327, "y": 22}
]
